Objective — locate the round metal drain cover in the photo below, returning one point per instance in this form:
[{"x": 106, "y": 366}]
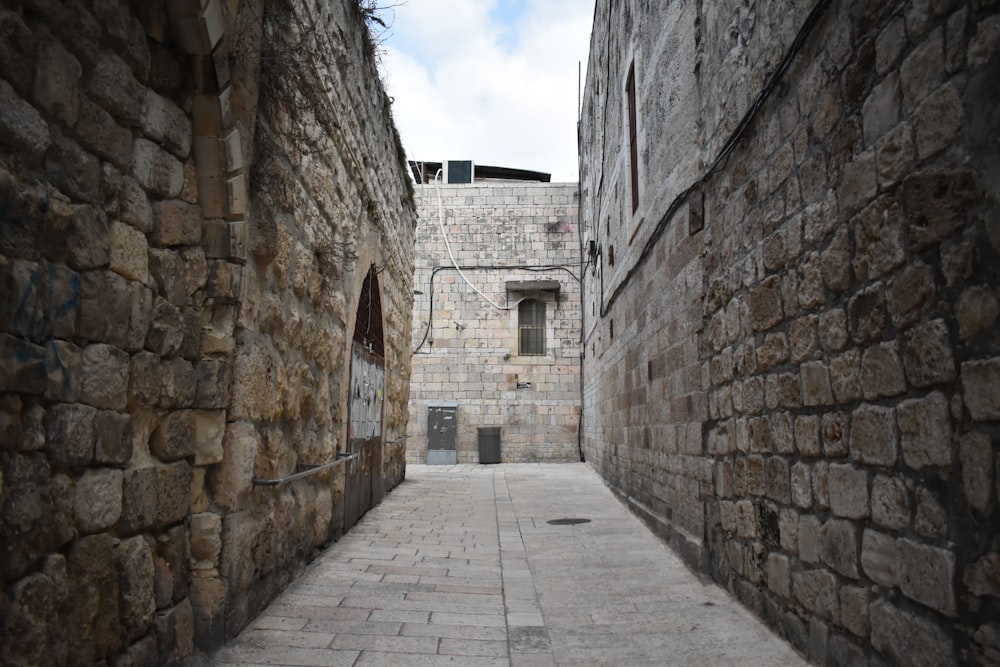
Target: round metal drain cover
[{"x": 567, "y": 522}]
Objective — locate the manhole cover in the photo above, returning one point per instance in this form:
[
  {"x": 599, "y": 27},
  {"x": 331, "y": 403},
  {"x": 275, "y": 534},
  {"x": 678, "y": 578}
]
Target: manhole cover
[{"x": 567, "y": 522}]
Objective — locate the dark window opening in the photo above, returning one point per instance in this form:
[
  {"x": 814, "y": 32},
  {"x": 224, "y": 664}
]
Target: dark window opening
[
  {"x": 612, "y": 322},
  {"x": 633, "y": 143},
  {"x": 611, "y": 255},
  {"x": 531, "y": 327}
]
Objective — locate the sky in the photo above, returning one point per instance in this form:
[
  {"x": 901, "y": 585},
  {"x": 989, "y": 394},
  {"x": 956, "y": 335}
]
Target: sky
[{"x": 492, "y": 81}]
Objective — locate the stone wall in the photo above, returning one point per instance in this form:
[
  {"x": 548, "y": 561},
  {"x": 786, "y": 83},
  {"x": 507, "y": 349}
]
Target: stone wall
[
  {"x": 182, "y": 251},
  {"x": 500, "y": 232},
  {"x": 793, "y": 375}
]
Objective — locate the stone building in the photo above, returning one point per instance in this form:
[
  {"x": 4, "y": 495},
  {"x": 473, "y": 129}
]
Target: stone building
[
  {"x": 792, "y": 367},
  {"x": 206, "y": 248},
  {"x": 497, "y": 339}
]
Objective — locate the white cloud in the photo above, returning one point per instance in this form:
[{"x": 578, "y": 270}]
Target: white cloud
[{"x": 468, "y": 86}]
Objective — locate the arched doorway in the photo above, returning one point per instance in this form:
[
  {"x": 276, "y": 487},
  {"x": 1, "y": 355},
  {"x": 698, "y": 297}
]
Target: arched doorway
[{"x": 364, "y": 431}]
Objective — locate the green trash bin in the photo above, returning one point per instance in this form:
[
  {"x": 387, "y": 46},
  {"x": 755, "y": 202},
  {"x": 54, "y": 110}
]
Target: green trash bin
[{"x": 489, "y": 444}]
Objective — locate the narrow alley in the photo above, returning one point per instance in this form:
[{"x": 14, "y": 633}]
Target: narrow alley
[{"x": 462, "y": 565}]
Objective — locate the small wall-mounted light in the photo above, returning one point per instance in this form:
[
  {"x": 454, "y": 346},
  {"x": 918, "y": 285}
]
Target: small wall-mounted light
[{"x": 458, "y": 326}]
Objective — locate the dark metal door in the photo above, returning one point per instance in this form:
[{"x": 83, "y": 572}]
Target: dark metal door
[
  {"x": 364, "y": 432},
  {"x": 442, "y": 435}
]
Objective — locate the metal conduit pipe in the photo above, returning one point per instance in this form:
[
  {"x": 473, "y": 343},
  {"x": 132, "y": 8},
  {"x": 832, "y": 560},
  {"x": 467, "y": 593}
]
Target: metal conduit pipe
[{"x": 341, "y": 458}]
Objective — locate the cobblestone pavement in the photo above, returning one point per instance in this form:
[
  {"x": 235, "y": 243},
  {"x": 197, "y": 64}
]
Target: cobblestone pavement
[{"x": 460, "y": 566}]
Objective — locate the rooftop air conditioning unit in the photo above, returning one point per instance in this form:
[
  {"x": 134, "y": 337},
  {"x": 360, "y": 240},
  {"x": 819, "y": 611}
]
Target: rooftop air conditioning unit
[{"x": 459, "y": 171}]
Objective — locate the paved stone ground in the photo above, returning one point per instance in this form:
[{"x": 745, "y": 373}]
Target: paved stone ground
[{"x": 459, "y": 566}]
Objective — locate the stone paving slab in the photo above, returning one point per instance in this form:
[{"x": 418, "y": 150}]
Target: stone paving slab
[{"x": 459, "y": 566}]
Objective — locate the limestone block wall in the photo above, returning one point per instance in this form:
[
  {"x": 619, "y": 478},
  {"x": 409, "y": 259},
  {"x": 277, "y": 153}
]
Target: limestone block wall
[
  {"x": 792, "y": 370},
  {"x": 166, "y": 332},
  {"x": 467, "y": 352}
]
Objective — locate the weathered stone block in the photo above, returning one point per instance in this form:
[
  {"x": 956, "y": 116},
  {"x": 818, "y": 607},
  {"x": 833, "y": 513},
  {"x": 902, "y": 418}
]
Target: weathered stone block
[
  {"x": 936, "y": 204},
  {"x": 882, "y": 372},
  {"x": 866, "y": 314},
  {"x": 113, "y": 438},
  {"x": 890, "y": 502},
  {"x": 129, "y": 255},
  {"x": 175, "y": 437},
  {"x": 802, "y": 336},
  {"x": 93, "y": 625},
  {"x": 167, "y": 123},
  {"x": 925, "y": 431},
  {"x": 166, "y": 331},
  {"x": 178, "y": 382},
  {"x": 931, "y": 519},
  {"x": 833, "y": 329},
  {"x": 26, "y": 517},
  {"x": 779, "y": 575},
  {"x": 57, "y": 80},
  {"x": 895, "y": 155},
  {"x": 927, "y": 354},
  {"x": 208, "y": 602},
  {"x": 63, "y": 363},
  {"x": 73, "y": 170},
  {"x": 816, "y": 591},
  {"x": 907, "y": 293},
  {"x": 938, "y": 121},
  {"x": 840, "y": 547},
  {"x": 167, "y": 270},
  {"x": 213, "y": 384},
  {"x": 746, "y": 519},
  {"x": 801, "y": 485},
  {"x": 174, "y": 548},
  {"x": 206, "y": 538},
  {"x": 807, "y": 435},
  {"x": 923, "y": 70},
  {"x": 156, "y": 170},
  {"x": 778, "y": 484},
  {"x": 854, "y": 615},
  {"x": 69, "y": 433},
  {"x": 878, "y": 235},
  {"x": 982, "y": 578},
  {"x": 878, "y": 558},
  {"x": 845, "y": 376},
  {"x": 873, "y": 435},
  {"x": 858, "y": 182},
  {"x": 981, "y": 388},
  {"x": 105, "y": 377},
  {"x": 99, "y": 132},
  {"x": 144, "y": 380},
  {"x": 134, "y": 562},
  {"x": 926, "y": 574},
  {"x": 880, "y": 112},
  {"x": 32, "y": 633},
  {"x": 809, "y": 538},
  {"x": 98, "y": 499},
  {"x": 811, "y": 291},
  {"x": 816, "y": 388},
  {"x": 115, "y": 88},
  {"x": 977, "y": 471},
  {"x": 766, "y": 304},
  {"x": 173, "y": 492},
  {"x": 21, "y": 126},
  {"x": 140, "y": 499},
  {"x": 773, "y": 352},
  {"x": 976, "y": 310},
  {"x": 177, "y": 223},
  {"x": 175, "y": 628},
  {"x": 210, "y": 429},
  {"x": 756, "y": 476},
  {"x": 848, "y": 491},
  {"x": 133, "y": 205}
]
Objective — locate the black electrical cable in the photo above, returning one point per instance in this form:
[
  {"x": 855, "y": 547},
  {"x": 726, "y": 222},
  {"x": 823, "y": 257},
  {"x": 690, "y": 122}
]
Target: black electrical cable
[
  {"x": 515, "y": 267},
  {"x": 731, "y": 143}
]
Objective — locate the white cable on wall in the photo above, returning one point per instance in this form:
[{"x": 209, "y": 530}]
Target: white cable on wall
[{"x": 437, "y": 184}]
